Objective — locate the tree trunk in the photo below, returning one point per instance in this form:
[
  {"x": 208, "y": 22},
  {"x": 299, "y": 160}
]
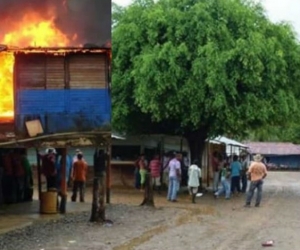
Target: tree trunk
[
  {"x": 196, "y": 141},
  {"x": 95, "y": 200},
  {"x": 148, "y": 194},
  {"x": 101, "y": 210},
  {"x": 98, "y": 206}
]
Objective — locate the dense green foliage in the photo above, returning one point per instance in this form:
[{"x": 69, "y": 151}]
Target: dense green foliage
[
  {"x": 289, "y": 132},
  {"x": 202, "y": 68}
]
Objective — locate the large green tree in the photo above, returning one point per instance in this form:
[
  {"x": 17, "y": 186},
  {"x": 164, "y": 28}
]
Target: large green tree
[
  {"x": 287, "y": 132},
  {"x": 202, "y": 68}
]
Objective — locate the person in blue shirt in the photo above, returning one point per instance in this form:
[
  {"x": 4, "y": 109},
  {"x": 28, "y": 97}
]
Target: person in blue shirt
[{"x": 235, "y": 168}]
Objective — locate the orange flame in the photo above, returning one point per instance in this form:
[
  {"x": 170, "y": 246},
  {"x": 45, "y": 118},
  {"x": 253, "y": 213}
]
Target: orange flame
[
  {"x": 32, "y": 30},
  {"x": 6, "y": 86}
]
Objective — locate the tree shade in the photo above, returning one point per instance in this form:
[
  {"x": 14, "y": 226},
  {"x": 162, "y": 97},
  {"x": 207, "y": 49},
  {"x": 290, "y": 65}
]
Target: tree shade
[{"x": 202, "y": 68}]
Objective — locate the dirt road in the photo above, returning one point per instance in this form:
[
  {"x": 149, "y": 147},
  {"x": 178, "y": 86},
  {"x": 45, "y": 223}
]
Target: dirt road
[
  {"x": 209, "y": 225},
  {"x": 236, "y": 227}
]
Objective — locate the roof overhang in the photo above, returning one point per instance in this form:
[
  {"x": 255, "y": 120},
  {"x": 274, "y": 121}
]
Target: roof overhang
[
  {"x": 227, "y": 141},
  {"x": 117, "y": 137},
  {"x": 53, "y": 50}
]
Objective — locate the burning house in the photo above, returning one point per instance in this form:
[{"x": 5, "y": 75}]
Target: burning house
[
  {"x": 65, "y": 89},
  {"x": 54, "y": 68},
  {"x": 54, "y": 79}
]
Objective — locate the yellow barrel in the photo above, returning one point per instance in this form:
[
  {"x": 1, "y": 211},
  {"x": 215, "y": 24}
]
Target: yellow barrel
[{"x": 48, "y": 202}]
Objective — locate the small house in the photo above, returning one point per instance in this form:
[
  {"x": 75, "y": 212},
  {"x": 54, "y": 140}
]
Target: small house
[
  {"x": 58, "y": 90},
  {"x": 278, "y": 155}
]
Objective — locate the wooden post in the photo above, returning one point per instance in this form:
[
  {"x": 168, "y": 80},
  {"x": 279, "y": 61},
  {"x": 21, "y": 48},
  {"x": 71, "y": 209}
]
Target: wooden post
[
  {"x": 98, "y": 205},
  {"x": 108, "y": 174},
  {"x": 39, "y": 173},
  {"x": 63, "y": 183},
  {"x": 101, "y": 210},
  {"x": 94, "y": 215}
]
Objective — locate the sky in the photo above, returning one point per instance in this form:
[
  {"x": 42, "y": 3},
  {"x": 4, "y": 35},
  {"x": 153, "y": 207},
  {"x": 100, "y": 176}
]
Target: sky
[{"x": 277, "y": 10}]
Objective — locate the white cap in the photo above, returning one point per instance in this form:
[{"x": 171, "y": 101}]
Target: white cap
[{"x": 50, "y": 149}]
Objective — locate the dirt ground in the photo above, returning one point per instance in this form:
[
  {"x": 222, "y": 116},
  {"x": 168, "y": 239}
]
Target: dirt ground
[
  {"x": 210, "y": 224},
  {"x": 226, "y": 225}
]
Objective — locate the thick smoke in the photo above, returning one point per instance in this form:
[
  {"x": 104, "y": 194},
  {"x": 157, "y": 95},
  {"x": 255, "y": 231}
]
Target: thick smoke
[{"x": 89, "y": 19}]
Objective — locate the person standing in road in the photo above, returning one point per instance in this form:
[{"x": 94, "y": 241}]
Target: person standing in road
[
  {"x": 194, "y": 175},
  {"x": 165, "y": 169},
  {"x": 235, "y": 168},
  {"x": 49, "y": 168},
  {"x": 79, "y": 178},
  {"x": 137, "y": 177},
  {"x": 225, "y": 181},
  {"x": 75, "y": 158},
  {"x": 257, "y": 173},
  {"x": 155, "y": 168},
  {"x": 245, "y": 165},
  {"x": 174, "y": 177},
  {"x": 143, "y": 171},
  {"x": 216, "y": 172}
]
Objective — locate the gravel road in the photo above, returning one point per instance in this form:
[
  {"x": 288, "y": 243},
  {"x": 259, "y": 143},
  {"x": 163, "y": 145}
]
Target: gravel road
[{"x": 209, "y": 224}]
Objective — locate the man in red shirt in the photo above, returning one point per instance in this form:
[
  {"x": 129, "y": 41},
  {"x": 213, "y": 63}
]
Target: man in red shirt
[
  {"x": 155, "y": 168},
  {"x": 79, "y": 178}
]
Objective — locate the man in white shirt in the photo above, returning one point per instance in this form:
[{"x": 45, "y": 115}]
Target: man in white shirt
[
  {"x": 174, "y": 177},
  {"x": 194, "y": 175}
]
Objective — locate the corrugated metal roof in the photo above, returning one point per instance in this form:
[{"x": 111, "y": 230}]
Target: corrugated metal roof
[
  {"x": 227, "y": 141},
  {"x": 273, "y": 148},
  {"x": 118, "y": 137},
  {"x": 49, "y": 50}
]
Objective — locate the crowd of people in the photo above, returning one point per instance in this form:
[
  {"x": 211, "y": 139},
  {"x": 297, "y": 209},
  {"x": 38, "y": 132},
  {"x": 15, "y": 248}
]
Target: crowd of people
[
  {"x": 76, "y": 171},
  {"x": 172, "y": 171},
  {"x": 16, "y": 178},
  {"x": 16, "y": 174},
  {"x": 231, "y": 172},
  {"x": 234, "y": 173},
  {"x": 231, "y": 175},
  {"x": 159, "y": 169}
]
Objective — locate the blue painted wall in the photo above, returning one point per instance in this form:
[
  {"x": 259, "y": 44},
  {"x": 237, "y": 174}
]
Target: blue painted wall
[{"x": 63, "y": 110}]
